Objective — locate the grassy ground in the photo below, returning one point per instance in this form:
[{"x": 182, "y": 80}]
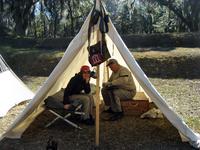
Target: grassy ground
[
  {"x": 129, "y": 133},
  {"x": 181, "y": 94}
]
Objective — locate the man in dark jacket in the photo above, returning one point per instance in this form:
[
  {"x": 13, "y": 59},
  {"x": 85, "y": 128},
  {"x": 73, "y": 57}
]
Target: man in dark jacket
[{"x": 77, "y": 91}]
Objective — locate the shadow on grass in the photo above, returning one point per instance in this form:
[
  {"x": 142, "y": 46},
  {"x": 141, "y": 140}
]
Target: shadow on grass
[
  {"x": 147, "y": 49},
  {"x": 186, "y": 67},
  {"x": 30, "y": 61},
  {"x": 37, "y": 62}
]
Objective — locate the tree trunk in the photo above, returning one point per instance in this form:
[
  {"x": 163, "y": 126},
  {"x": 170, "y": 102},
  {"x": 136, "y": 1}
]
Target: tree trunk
[
  {"x": 1, "y": 6},
  {"x": 35, "y": 29},
  {"x": 71, "y": 18},
  {"x": 21, "y": 15},
  {"x": 55, "y": 26},
  {"x": 43, "y": 19}
]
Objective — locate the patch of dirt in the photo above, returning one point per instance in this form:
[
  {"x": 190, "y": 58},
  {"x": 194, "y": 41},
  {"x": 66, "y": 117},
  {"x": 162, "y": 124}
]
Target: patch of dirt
[{"x": 128, "y": 133}]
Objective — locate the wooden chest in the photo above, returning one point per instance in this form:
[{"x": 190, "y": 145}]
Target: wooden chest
[{"x": 135, "y": 107}]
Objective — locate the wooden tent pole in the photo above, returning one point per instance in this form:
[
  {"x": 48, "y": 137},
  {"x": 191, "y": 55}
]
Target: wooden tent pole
[
  {"x": 97, "y": 94},
  {"x": 97, "y": 107}
]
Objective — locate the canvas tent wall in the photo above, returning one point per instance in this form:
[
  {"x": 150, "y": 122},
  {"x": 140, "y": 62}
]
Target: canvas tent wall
[
  {"x": 77, "y": 55},
  {"x": 13, "y": 90}
]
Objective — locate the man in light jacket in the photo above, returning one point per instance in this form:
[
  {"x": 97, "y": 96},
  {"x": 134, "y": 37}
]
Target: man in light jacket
[{"x": 120, "y": 86}]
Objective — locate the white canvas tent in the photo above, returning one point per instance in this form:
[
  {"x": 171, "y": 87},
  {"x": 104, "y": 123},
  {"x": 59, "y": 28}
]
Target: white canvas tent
[
  {"x": 75, "y": 56},
  {"x": 13, "y": 90}
]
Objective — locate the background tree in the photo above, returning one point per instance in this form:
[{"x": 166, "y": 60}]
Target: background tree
[
  {"x": 188, "y": 12},
  {"x": 22, "y": 11},
  {"x": 59, "y": 18}
]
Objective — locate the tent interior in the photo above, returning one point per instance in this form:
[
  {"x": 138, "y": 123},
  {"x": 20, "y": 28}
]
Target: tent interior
[{"x": 75, "y": 56}]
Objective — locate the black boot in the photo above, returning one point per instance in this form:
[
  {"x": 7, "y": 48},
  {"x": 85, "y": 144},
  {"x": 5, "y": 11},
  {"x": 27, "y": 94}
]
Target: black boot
[
  {"x": 89, "y": 121},
  {"x": 116, "y": 116},
  {"x": 109, "y": 110}
]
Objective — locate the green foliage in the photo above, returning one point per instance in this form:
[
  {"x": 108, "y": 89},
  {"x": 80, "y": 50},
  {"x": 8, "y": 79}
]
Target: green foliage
[{"x": 60, "y": 18}]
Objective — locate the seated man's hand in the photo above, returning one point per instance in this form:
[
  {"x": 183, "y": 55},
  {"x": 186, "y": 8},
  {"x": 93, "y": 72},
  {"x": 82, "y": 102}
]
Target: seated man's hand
[
  {"x": 87, "y": 80},
  {"x": 106, "y": 84},
  {"x": 67, "y": 106}
]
